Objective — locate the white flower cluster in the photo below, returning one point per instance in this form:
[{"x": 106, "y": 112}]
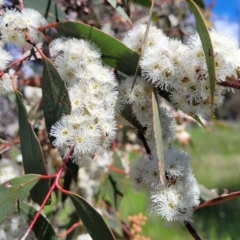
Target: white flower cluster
[
  {"x": 1, "y": 2},
  {"x": 5, "y": 77},
  {"x": 177, "y": 198},
  {"x": 17, "y": 26},
  {"x": 140, "y": 100},
  {"x": 14, "y": 228},
  {"x": 91, "y": 174},
  {"x": 181, "y": 69},
  {"x": 90, "y": 127}
]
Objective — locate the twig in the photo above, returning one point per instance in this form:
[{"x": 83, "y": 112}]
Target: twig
[
  {"x": 144, "y": 142},
  {"x": 55, "y": 183},
  {"x": 192, "y": 231},
  {"x": 75, "y": 225},
  {"x": 232, "y": 84}
]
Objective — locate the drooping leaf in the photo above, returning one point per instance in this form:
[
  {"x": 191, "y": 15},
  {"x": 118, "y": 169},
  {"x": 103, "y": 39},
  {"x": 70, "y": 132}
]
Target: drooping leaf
[
  {"x": 71, "y": 173},
  {"x": 123, "y": 7},
  {"x": 73, "y": 220},
  {"x": 115, "y": 181},
  {"x": 207, "y": 45},
  {"x": 219, "y": 200},
  {"x": 56, "y": 101},
  {"x": 145, "y": 3},
  {"x": 73, "y": 168},
  {"x": 200, "y": 3},
  {"x": 15, "y": 190},
  {"x": 158, "y": 134},
  {"x": 128, "y": 115},
  {"x": 145, "y": 37},
  {"x": 33, "y": 159},
  {"x": 91, "y": 219},
  {"x": 42, "y": 228},
  {"x": 198, "y": 119},
  {"x": 114, "y": 53}
]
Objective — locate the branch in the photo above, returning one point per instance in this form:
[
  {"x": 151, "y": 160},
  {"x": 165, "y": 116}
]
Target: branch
[
  {"x": 232, "y": 84},
  {"x": 192, "y": 231}
]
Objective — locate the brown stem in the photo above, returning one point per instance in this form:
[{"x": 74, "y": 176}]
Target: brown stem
[
  {"x": 232, "y": 84},
  {"x": 142, "y": 138},
  {"x": 192, "y": 231}
]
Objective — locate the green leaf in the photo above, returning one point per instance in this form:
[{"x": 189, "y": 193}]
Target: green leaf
[
  {"x": 146, "y": 3},
  {"x": 56, "y": 101},
  {"x": 73, "y": 219},
  {"x": 41, "y": 6},
  {"x": 200, "y": 3},
  {"x": 122, "y": 8},
  {"x": 198, "y": 119},
  {"x": 115, "y": 181},
  {"x": 42, "y": 228},
  {"x": 71, "y": 173},
  {"x": 91, "y": 219},
  {"x": 144, "y": 43},
  {"x": 114, "y": 53},
  {"x": 158, "y": 134},
  {"x": 128, "y": 115},
  {"x": 207, "y": 45},
  {"x": 13, "y": 190},
  {"x": 33, "y": 159}
]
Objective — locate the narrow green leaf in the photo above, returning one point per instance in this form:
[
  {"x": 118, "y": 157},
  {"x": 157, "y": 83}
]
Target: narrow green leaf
[
  {"x": 145, "y": 3},
  {"x": 13, "y": 190},
  {"x": 198, "y": 119},
  {"x": 74, "y": 218},
  {"x": 56, "y": 101},
  {"x": 144, "y": 43},
  {"x": 116, "y": 181},
  {"x": 123, "y": 9},
  {"x": 128, "y": 115},
  {"x": 200, "y": 3},
  {"x": 33, "y": 159},
  {"x": 114, "y": 53},
  {"x": 42, "y": 228},
  {"x": 158, "y": 134},
  {"x": 219, "y": 200},
  {"x": 207, "y": 45},
  {"x": 91, "y": 219}
]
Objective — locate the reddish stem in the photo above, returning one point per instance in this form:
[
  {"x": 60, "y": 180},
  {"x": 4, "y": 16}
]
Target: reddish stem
[
  {"x": 52, "y": 25},
  {"x": 55, "y": 183},
  {"x": 117, "y": 170},
  {"x": 232, "y": 84},
  {"x": 75, "y": 225},
  {"x": 20, "y": 60},
  {"x": 21, "y": 4}
]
